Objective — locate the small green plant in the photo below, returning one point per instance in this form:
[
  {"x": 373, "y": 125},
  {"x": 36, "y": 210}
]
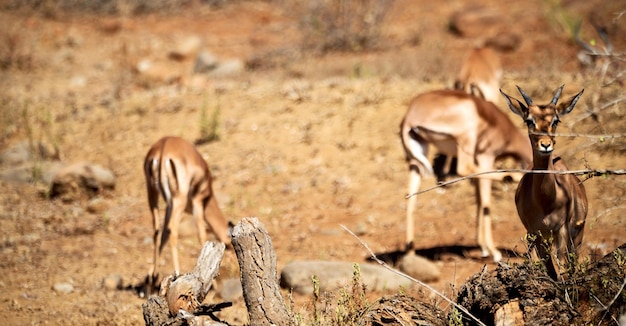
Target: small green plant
[
  {"x": 209, "y": 124},
  {"x": 558, "y": 16},
  {"x": 620, "y": 258},
  {"x": 352, "y": 304},
  {"x": 455, "y": 317},
  {"x": 316, "y": 298},
  {"x": 37, "y": 172}
]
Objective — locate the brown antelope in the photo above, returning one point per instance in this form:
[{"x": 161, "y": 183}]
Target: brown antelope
[
  {"x": 175, "y": 170},
  {"x": 551, "y": 206},
  {"x": 480, "y": 74},
  {"x": 470, "y": 128}
]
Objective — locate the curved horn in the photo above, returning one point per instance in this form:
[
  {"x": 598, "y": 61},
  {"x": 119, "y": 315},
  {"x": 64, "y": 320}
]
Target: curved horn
[
  {"x": 529, "y": 102},
  {"x": 557, "y": 94}
]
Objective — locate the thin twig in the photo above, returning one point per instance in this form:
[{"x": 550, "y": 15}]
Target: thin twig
[
  {"x": 590, "y": 173},
  {"x": 617, "y": 294},
  {"x": 607, "y": 307},
  {"x": 595, "y": 112},
  {"x": 382, "y": 263},
  {"x": 602, "y": 137}
]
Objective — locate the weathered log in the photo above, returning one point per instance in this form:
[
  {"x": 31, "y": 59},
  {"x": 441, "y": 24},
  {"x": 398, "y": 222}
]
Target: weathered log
[
  {"x": 180, "y": 298},
  {"x": 259, "y": 279},
  {"x": 592, "y": 296},
  {"x": 401, "y": 309}
]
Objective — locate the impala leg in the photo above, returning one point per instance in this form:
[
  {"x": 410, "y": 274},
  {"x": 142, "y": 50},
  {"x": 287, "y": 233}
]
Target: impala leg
[
  {"x": 171, "y": 229},
  {"x": 152, "y": 187},
  {"x": 198, "y": 216},
  {"x": 414, "y": 185},
  {"x": 566, "y": 248},
  {"x": 543, "y": 245},
  {"x": 483, "y": 200},
  {"x": 465, "y": 154},
  {"x": 216, "y": 220},
  {"x": 156, "y": 237}
]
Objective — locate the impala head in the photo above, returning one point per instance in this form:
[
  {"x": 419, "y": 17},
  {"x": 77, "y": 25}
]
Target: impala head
[{"x": 542, "y": 120}]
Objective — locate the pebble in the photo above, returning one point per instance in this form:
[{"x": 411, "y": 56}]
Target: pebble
[{"x": 63, "y": 288}]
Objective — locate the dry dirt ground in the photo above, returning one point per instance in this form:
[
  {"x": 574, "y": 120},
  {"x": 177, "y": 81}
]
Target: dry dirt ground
[{"x": 306, "y": 145}]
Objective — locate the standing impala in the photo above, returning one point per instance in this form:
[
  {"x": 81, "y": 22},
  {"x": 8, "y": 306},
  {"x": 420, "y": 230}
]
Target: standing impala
[
  {"x": 175, "y": 170},
  {"x": 470, "y": 128},
  {"x": 552, "y": 207},
  {"x": 480, "y": 74}
]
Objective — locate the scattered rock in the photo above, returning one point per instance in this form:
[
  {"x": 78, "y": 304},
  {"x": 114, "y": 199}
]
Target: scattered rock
[
  {"x": 97, "y": 205},
  {"x": 112, "y": 282},
  {"x": 186, "y": 48},
  {"x": 78, "y": 180},
  {"x": 63, "y": 288},
  {"x": 17, "y": 154},
  {"x": 231, "y": 289},
  {"x": 24, "y": 152},
  {"x": 150, "y": 73},
  {"x": 419, "y": 268},
  {"x": 205, "y": 62},
  {"x": 110, "y": 26},
  {"x": 32, "y": 172},
  {"x": 21, "y": 174},
  {"x": 228, "y": 68},
  {"x": 334, "y": 275}
]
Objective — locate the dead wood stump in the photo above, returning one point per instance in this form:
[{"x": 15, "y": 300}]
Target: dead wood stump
[
  {"x": 259, "y": 278},
  {"x": 524, "y": 292},
  {"x": 401, "y": 309},
  {"x": 180, "y": 299}
]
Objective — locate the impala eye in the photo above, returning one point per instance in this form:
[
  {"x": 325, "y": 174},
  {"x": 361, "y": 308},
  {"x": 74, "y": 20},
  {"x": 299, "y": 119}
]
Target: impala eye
[{"x": 555, "y": 121}]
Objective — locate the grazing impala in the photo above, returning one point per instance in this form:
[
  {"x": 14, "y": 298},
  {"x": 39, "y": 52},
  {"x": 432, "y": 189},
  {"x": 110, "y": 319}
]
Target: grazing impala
[
  {"x": 552, "y": 207},
  {"x": 480, "y": 74},
  {"x": 175, "y": 170},
  {"x": 470, "y": 128}
]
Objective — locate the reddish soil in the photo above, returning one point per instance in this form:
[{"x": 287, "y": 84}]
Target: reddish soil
[{"x": 306, "y": 146}]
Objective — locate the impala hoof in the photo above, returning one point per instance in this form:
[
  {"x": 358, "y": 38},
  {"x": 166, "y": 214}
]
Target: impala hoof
[{"x": 497, "y": 256}]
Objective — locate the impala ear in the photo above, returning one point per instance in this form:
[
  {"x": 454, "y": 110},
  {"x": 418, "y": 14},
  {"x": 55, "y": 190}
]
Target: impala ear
[
  {"x": 517, "y": 107},
  {"x": 567, "y": 106}
]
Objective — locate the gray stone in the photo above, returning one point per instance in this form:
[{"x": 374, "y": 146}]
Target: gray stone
[
  {"x": 231, "y": 289},
  {"x": 23, "y": 152},
  {"x": 334, "y": 275},
  {"x": 77, "y": 180},
  {"x": 419, "y": 268},
  {"x": 112, "y": 282},
  {"x": 63, "y": 288},
  {"x": 32, "y": 172},
  {"x": 205, "y": 62},
  {"x": 228, "y": 68},
  {"x": 98, "y": 205},
  {"x": 17, "y": 154},
  {"x": 186, "y": 48}
]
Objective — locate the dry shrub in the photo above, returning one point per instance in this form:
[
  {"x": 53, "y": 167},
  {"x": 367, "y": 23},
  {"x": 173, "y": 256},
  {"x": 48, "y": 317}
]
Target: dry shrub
[
  {"x": 55, "y": 8},
  {"x": 15, "y": 51},
  {"x": 343, "y": 25}
]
